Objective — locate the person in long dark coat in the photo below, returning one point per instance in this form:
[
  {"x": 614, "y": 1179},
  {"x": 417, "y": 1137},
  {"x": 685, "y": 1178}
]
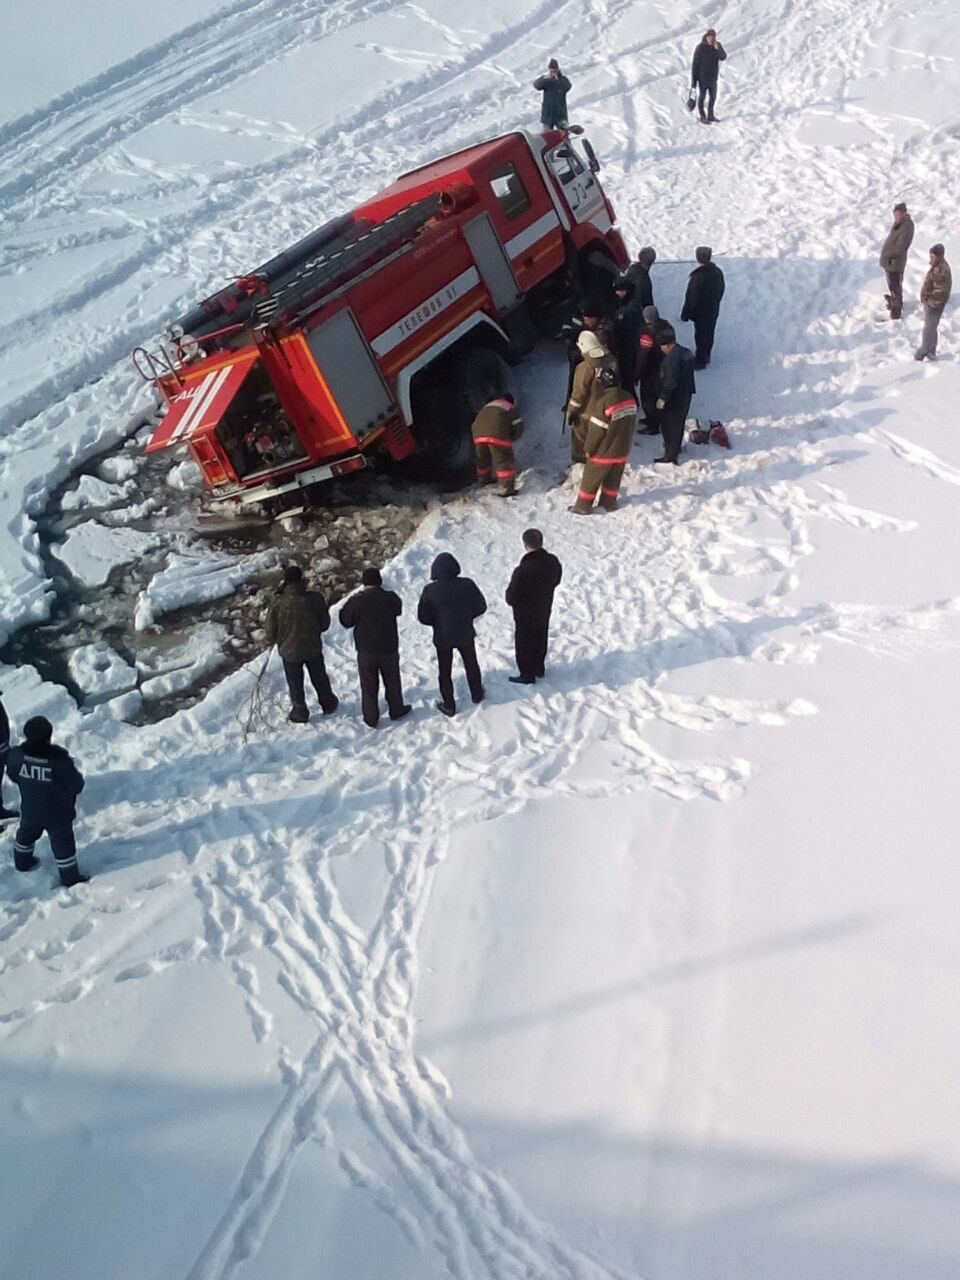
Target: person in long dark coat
[
  {"x": 649, "y": 357},
  {"x": 705, "y": 289},
  {"x": 450, "y": 604},
  {"x": 530, "y": 596},
  {"x": 554, "y": 86},
  {"x": 372, "y": 615},
  {"x": 627, "y": 323},
  {"x": 49, "y": 783},
  {"x": 5, "y": 813},
  {"x": 638, "y": 273},
  {"x": 677, "y": 387},
  {"x": 295, "y": 623},
  {"x": 705, "y": 72}
]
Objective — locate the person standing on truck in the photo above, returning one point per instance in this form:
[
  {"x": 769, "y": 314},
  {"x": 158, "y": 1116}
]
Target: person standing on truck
[
  {"x": 530, "y": 596},
  {"x": 450, "y": 604},
  {"x": 594, "y": 358},
  {"x": 49, "y": 783},
  {"x": 610, "y": 431},
  {"x": 705, "y": 72},
  {"x": 554, "y": 86},
  {"x": 295, "y": 623},
  {"x": 372, "y": 614},
  {"x": 495, "y": 429}
]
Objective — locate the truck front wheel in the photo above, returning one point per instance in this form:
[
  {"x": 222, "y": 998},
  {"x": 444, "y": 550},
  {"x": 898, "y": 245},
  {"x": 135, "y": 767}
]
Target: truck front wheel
[{"x": 444, "y": 409}]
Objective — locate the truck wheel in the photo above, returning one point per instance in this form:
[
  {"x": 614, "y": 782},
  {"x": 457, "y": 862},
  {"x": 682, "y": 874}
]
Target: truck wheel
[{"x": 456, "y": 393}]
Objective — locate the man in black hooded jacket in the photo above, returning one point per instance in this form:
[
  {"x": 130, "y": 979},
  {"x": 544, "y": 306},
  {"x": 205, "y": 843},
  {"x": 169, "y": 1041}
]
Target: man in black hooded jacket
[
  {"x": 449, "y": 604},
  {"x": 49, "y": 784},
  {"x": 372, "y": 614}
]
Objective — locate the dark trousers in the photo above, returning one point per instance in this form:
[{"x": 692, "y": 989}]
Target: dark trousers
[
  {"x": 61, "y": 842},
  {"x": 708, "y": 91},
  {"x": 704, "y": 328},
  {"x": 672, "y": 422},
  {"x": 468, "y": 654},
  {"x": 530, "y": 643},
  {"x": 895, "y": 285},
  {"x": 648, "y": 402},
  {"x": 317, "y": 671},
  {"x": 374, "y": 667}
]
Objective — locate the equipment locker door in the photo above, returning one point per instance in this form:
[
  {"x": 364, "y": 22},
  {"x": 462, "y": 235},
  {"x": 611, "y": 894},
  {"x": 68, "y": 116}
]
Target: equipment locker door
[
  {"x": 492, "y": 262},
  {"x": 351, "y": 372}
]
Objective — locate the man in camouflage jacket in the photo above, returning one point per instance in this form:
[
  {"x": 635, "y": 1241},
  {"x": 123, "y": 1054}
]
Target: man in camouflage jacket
[
  {"x": 893, "y": 257},
  {"x": 934, "y": 294},
  {"x": 295, "y": 622}
]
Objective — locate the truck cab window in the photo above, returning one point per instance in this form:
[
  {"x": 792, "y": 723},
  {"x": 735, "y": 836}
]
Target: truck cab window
[{"x": 510, "y": 191}]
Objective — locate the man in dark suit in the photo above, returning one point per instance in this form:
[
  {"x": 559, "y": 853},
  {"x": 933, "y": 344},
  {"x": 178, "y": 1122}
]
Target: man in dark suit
[
  {"x": 372, "y": 614},
  {"x": 530, "y": 596}
]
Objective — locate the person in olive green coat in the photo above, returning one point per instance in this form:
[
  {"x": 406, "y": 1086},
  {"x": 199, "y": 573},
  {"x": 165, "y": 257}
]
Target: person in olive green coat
[
  {"x": 934, "y": 294},
  {"x": 495, "y": 429},
  {"x": 610, "y": 431},
  {"x": 584, "y": 390},
  {"x": 295, "y": 622}
]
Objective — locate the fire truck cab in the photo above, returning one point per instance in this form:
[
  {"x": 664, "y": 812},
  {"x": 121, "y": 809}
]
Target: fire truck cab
[{"x": 387, "y": 328}]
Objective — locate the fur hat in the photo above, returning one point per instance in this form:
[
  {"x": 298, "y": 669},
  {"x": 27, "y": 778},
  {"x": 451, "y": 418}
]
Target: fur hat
[
  {"x": 704, "y": 254},
  {"x": 371, "y": 577},
  {"x": 647, "y": 256},
  {"x": 293, "y": 573},
  {"x": 900, "y": 208},
  {"x": 666, "y": 334}
]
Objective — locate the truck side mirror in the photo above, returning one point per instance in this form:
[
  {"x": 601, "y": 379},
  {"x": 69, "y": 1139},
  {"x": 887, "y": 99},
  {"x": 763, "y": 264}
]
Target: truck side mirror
[{"x": 592, "y": 161}]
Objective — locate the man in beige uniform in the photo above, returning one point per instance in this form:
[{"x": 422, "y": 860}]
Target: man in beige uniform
[
  {"x": 595, "y": 358},
  {"x": 495, "y": 428},
  {"x": 613, "y": 421}
]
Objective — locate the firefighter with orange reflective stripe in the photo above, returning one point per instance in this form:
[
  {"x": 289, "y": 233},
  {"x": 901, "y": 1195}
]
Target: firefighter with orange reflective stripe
[
  {"x": 495, "y": 429},
  {"x": 613, "y": 420},
  {"x": 585, "y": 389}
]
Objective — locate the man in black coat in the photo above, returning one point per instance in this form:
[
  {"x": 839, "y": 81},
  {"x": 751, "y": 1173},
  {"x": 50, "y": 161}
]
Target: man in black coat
[
  {"x": 638, "y": 273},
  {"x": 707, "y": 57},
  {"x": 627, "y": 322},
  {"x": 649, "y": 359},
  {"x": 49, "y": 784},
  {"x": 530, "y": 596},
  {"x": 5, "y": 813},
  {"x": 295, "y": 623},
  {"x": 702, "y": 303},
  {"x": 449, "y": 604},
  {"x": 373, "y": 613},
  {"x": 554, "y": 86},
  {"x": 677, "y": 387}
]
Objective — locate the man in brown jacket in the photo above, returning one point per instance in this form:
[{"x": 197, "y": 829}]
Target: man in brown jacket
[
  {"x": 295, "y": 623},
  {"x": 585, "y": 389},
  {"x": 934, "y": 294},
  {"x": 495, "y": 428},
  {"x": 613, "y": 421},
  {"x": 893, "y": 257}
]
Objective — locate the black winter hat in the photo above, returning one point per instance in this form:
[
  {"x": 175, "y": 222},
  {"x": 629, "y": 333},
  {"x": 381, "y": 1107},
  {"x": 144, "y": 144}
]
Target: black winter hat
[
  {"x": 666, "y": 334},
  {"x": 647, "y": 256},
  {"x": 553, "y": 65},
  {"x": 900, "y": 208},
  {"x": 38, "y": 731},
  {"x": 938, "y": 249},
  {"x": 371, "y": 577},
  {"x": 704, "y": 253},
  {"x": 293, "y": 573}
]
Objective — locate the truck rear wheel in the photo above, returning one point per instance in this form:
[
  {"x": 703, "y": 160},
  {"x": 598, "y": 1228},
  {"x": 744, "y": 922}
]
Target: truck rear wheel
[{"x": 444, "y": 411}]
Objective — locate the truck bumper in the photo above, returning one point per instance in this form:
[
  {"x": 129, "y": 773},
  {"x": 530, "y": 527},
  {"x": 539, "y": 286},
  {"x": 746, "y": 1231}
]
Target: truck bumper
[{"x": 302, "y": 480}]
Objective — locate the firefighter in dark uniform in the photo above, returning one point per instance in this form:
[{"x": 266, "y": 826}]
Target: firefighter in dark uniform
[
  {"x": 5, "y": 813},
  {"x": 49, "y": 784},
  {"x": 530, "y": 596},
  {"x": 613, "y": 421},
  {"x": 585, "y": 387},
  {"x": 495, "y": 429},
  {"x": 295, "y": 623}
]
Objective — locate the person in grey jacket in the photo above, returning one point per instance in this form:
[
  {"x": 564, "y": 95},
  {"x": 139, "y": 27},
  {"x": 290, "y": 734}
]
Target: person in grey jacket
[{"x": 893, "y": 257}]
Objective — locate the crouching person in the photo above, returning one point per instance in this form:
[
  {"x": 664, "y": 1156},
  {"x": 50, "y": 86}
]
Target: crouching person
[
  {"x": 613, "y": 421},
  {"x": 496, "y": 428},
  {"x": 49, "y": 784},
  {"x": 295, "y": 623},
  {"x": 372, "y": 614}
]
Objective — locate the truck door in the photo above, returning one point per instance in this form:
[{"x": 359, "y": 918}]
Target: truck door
[
  {"x": 580, "y": 188},
  {"x": 492, "y": 262},
  {"x": 351, "y": 372}
]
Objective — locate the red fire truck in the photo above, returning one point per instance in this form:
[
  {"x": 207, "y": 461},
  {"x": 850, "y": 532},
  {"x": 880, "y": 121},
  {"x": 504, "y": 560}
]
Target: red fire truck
[{"x": 389, "y": 327}]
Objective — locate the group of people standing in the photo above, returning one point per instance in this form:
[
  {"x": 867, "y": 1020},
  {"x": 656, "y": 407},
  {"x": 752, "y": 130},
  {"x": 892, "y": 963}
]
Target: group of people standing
[{"x": 937, "y": 283}]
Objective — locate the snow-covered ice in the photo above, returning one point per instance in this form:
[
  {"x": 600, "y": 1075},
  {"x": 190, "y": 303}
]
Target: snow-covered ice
[
  {"x": 648, "y": 971},
  {"x": 190, "y": 578}
]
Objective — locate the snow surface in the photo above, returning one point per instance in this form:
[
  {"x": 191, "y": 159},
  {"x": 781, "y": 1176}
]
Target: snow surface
[{"x": 649, "y": 971}]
